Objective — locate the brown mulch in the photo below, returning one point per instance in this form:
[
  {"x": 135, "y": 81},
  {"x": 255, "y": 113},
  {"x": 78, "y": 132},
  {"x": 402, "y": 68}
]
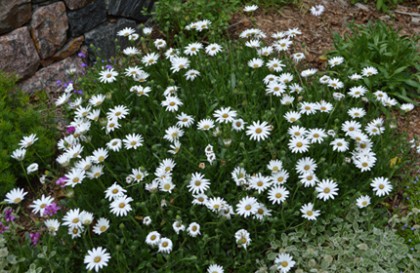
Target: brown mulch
[{"x": 318, "y": 31}]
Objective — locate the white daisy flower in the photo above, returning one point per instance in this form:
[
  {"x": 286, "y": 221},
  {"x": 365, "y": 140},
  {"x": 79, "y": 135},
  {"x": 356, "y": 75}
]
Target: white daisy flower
[
  {"x": 298, "y": 144},
  {"x": 363, "y": 201},
  {"x": 259, "y": 182},
  {"x": 308, "y": 179},
  {"x": 121, "y": 205},
  {"x": 165, "y": 245},
  {"x": 308, "y": 212},
  {"x": 369, "y": 71},
  {"x": 193, "y": 229},
  {"x": 327, "y": 189},
  {"x": 381, "y": 186},
  {"x": 250, "y": 8},
  {"x": 125, "y": 32},
  {"x": 153, "y": 238},
  {"x": 205, "y": 124},
  {"x": 255, "y": 63},
  {"x": 133, "y": 141},
  {"x": 340, "y": 145},
  {"x": 114, "y": 191},
  {"x": 32, "y": 168},
  {"x": 52, "y": 226},
  {"x": 215, "y": 268},
  {"x": 108, "y": 75},
  {"x": 198, "y": 184},
  {"x": 284, "y": 262},
  {"x": 15, "y": 196},
  {"x": 28, "y": 141},
  {"x": 150, "y": 59},
  {"x": 247, "y": 206},
  {"x": 171, "y": 103},
  {"x": 337, "y": 60},
  {"x": 96, "y": 258},
  {"x": 258, "y": 130},
  {"x": 213, "y": 49},
  {"x": 39, "y": 205},
  {"x": 278, "y": 194},
  {"x": 243, "y": 238},
  {"x": 101, "y": 226}
]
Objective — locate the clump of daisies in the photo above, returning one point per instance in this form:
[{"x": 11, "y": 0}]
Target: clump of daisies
[{"x": 178, "y": 148}]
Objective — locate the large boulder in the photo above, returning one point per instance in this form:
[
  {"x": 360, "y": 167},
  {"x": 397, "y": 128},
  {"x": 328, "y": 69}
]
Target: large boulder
[
  {"x": 130, "y": 8},
  {"x": 87, "y": 18},
  {"x": 18, "y": 53},
  {"x": 49, "y": 28},
  {"x": 77, "y": 4},
  {"x": 103, "y": 38},
  {"x": 47, "y": 77},
  {"x": 68, "y": 49},
  {"x": 14, "y": 14}
]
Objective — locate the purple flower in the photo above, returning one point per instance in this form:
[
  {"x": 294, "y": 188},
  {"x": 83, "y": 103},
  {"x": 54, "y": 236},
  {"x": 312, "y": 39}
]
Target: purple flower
[
  {"x": 61, "y": 181},
  {"x": 8, "y": 215},
  {"x": 108, "y": 66},
  {"x": 84, "y": 65},
  {"x": 81, "y": 55},
  {"x": 51, "y": 209},
  {"x": 35, "y": 237},
  {"x": 58, "y": 83},
  {"x": 3, "y": 228},
  {"x": 70, "y": 129},
  {"x": 79, "y": 92}
]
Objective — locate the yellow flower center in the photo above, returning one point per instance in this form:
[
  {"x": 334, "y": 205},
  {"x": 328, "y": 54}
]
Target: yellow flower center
[
  {"x": 327, "y": 190},
  {"x": 75, "y": 220},
  {"x": 115, "y": 191},
  {"x": 309, "y": 213},
  {"x": 382, "y": 186},
  {"x": 278, "y": 195},
  {"x": 258, "y": 130},
  {"x": 260, "y": 184},
  {"x": 165, "y": 244},
  {"x": 103, "y": 228},
  {"x": 299, "y": 144},
  {"x": 121, "y": 205},
  {"x": 248, "y": 207}
]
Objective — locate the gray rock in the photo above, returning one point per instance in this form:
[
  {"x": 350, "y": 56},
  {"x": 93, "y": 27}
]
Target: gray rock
[
  {"x": 14, "y": 14},
  {"x": 18, "y": 53},
  {"x": 130, "y": 8},
  {"x": 103, "y": 37},
  {"x": 46, "y": 78},
  {"x": 77, "y": 4},
  {"x": 49, "y": 26},
  {"x": 87, "y": 18}
]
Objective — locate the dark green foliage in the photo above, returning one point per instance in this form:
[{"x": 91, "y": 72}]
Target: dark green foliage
[
  {"x": 396, "y": 58},
  {"x": 19, "y": 118}
]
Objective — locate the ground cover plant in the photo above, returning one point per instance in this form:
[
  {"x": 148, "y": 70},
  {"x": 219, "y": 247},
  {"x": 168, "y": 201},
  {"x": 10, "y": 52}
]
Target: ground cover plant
[{"x": 201, "y": 157}]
